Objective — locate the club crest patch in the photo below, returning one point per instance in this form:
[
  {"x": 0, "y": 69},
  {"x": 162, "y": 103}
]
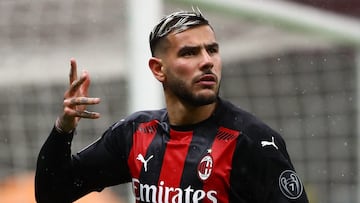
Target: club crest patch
[
  {"x": 205, "y": 167},
  {"x": 290, "y": 184}
]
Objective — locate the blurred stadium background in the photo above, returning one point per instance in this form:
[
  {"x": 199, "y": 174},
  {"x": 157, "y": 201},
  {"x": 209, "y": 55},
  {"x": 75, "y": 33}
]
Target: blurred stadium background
[{"x": 294, "y": 64}]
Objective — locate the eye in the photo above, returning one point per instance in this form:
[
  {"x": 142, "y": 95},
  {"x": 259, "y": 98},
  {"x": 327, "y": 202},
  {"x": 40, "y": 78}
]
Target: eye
[
  {"x": 213, "y": 49},
  {"x": 186, "y": 52}
]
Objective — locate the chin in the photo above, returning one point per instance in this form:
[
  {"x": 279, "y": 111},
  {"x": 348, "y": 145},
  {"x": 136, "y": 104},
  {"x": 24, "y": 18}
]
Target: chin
[{"x": 202, "y": 100}]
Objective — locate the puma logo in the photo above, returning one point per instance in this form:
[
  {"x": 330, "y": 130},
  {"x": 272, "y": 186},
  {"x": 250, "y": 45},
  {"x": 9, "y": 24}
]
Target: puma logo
[
  {"x": 267, "y": 143},
  {"x": 141, "y": 158}
]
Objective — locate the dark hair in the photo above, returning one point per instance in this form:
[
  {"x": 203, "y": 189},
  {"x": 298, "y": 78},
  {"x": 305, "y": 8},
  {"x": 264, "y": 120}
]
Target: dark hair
[{"x": 177, "y": 22}]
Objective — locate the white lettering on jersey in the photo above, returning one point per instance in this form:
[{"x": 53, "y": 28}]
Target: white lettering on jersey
[{"x": 161, "y": 193}]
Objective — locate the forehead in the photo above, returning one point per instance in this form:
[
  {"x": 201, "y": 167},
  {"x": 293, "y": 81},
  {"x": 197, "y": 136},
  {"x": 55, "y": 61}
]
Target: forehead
[{"x": 192, "y": 37}]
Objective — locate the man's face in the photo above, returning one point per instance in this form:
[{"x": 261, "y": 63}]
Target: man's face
[{"x": 192, "y": 65}]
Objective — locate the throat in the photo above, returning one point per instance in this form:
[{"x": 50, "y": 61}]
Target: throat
[{"x": 185, "y": 116}]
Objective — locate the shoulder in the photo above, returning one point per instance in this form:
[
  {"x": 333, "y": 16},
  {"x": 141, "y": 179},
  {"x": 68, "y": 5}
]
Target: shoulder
[
  {"x": 234, "y": 117},
  {"x": 141, "y": 117},
  {"x": 119, "y": 135},
  {"x": 254, "y": 132}
]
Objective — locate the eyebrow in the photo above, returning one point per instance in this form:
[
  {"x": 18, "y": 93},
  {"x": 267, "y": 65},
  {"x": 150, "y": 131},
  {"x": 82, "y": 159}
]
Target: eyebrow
[
  {"x": 189, "y": 48},
  {"x": 212, "y": 45}
]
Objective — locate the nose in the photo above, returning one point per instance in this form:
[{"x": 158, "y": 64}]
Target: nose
[{"x": 206, "y": 60}]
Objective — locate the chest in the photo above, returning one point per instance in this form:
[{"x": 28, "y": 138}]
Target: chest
[{"x": 199, "y": 158}]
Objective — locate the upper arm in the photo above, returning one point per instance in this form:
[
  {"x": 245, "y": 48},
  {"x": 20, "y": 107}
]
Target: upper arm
[{"x": 263, "y": 172}]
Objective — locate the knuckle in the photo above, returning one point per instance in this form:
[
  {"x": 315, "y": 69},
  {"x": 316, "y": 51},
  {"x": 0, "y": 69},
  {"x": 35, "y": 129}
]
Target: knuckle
[
  {"x": 67, "y": 102},
  {"x": 68, "y": 112}
]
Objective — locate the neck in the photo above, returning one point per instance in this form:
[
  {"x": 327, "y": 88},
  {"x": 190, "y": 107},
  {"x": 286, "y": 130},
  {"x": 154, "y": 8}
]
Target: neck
[{"x": 184, "y": 114}]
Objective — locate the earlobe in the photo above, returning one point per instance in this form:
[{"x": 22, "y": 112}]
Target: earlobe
[{"x": 155, "y": 66}]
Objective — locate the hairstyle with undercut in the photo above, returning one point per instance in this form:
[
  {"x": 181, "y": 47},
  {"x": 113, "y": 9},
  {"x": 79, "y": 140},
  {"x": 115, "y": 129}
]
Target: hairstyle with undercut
[{"x": 176, "y": 22}]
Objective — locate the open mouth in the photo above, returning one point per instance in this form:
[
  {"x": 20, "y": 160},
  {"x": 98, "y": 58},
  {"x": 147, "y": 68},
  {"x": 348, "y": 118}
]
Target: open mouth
[{"x": 207, "y": 79}]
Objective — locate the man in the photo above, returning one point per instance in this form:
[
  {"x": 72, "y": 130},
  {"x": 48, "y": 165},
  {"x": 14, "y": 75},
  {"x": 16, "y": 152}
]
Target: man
[{"x": 200, "y": 148}]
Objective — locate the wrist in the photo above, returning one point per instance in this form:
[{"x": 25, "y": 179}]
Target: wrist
[{"x": 60, "y": 127}]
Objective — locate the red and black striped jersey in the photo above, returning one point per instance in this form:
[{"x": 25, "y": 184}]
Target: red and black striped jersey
[{"x": 230, "y": 157}]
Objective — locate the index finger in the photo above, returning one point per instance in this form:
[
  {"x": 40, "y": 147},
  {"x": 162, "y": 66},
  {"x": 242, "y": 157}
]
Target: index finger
[{"x": 73, "y": 71}]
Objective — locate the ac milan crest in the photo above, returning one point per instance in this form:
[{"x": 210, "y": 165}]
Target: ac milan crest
[{"x": 205, "y": 167}]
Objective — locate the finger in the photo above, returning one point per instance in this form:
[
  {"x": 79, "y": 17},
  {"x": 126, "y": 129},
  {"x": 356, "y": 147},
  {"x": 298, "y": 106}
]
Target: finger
[
  {"x": 74, "y": 87},
  {"x": 87, "y": 114},
  {"x": 73, "y": 71},
  {"x": 81, "y": 101},
  {"x": 84, "y": 89},
  {"x": 81, "y": 114}
]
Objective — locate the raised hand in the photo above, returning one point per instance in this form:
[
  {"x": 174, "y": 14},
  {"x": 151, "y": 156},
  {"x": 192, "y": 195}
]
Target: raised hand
[{"x": 75, "y": 101}]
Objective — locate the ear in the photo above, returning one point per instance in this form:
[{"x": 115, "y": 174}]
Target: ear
[{"x": 155, "y": 66}]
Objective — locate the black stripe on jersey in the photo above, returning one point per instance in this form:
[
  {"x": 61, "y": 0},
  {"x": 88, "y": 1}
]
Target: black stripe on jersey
[
  {"x": 157, "y": 149},
  {"x": 203, "y": 138}
]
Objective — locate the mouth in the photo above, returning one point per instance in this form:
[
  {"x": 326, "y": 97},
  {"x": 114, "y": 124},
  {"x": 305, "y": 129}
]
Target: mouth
[{"x": 207, "y": 79}]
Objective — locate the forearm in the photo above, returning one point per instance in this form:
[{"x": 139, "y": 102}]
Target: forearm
[
  {"x": 63, "y": 177},
  {"x": 53, "y": 179}
]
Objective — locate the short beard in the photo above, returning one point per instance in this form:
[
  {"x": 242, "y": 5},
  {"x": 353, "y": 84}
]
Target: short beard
[{"x": 179, "y": 89}]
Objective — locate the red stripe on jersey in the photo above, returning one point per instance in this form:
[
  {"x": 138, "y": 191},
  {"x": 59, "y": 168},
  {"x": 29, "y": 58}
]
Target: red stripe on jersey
[
  {"x": 222, "y": 152},
  {"x": 174, "y": 160},
  {"x": 142, "y": 138}
]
